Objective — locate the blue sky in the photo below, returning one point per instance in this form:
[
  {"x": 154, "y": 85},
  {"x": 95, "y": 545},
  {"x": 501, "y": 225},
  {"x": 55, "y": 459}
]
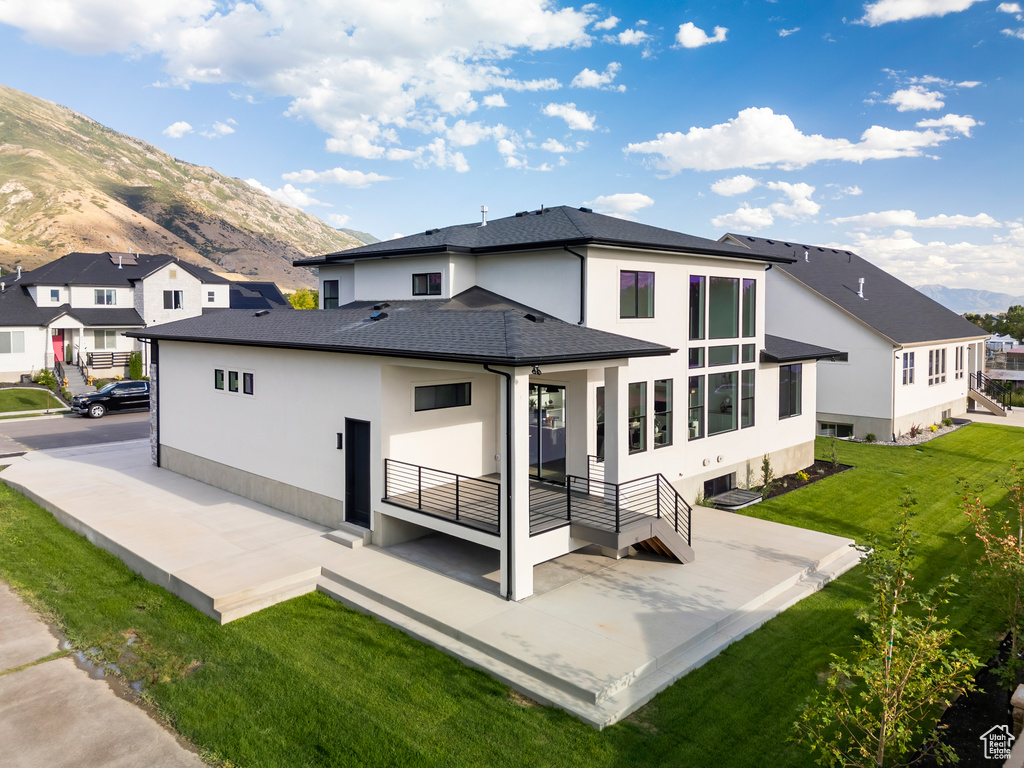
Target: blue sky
[{"x": 891, "y": 127}]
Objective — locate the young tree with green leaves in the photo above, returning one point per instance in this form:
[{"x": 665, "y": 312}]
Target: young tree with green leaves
[
  {"x": 304, "y": 298},
  {"x": 878, "y": 703}
]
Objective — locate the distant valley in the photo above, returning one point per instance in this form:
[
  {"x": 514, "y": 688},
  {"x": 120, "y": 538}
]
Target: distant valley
[
  {"x": 962, "y": 300},
  {"x": 68, "y": 183}
]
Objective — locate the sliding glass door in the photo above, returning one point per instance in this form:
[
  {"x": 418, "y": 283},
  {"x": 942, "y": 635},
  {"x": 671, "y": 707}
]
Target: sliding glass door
[{"x": 547, "y": 432}]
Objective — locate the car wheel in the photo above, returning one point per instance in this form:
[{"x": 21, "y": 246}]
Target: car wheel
[{"x": 96, "y": 410}]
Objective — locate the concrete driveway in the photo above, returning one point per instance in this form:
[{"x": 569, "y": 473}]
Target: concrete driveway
[{"x": 53, "y": 713}]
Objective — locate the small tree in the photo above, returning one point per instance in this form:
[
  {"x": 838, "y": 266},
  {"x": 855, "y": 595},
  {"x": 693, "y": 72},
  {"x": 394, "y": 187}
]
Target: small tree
[
  {"x": 833, "y": 453},
  {"x": 304, "y": 298},
  {"x": 135, "y": 366},
  {"x": 878, "y": 702},
  {"x": 768, "y": 479},
  {"x": 1002, "y": 535}
]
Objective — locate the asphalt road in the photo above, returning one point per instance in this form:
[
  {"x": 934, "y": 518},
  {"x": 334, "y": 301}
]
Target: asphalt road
[{"x": 17, "y": 436}]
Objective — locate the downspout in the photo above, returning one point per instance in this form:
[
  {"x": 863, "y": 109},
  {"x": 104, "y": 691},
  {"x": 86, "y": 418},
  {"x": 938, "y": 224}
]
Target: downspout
[
  {"x": 155, "y": 368},
  {"x": 508, "y": 480},
  {"x": 892, "y": 413},
  {"x": 583, "y": 282}
]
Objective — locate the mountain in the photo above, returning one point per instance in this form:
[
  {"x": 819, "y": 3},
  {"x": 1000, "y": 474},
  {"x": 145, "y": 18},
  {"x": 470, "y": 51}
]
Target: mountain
[
  {"x": 962, "y": 300},
  {"x": 68, "y": 183},
  {"x": 363, "y": 237}
]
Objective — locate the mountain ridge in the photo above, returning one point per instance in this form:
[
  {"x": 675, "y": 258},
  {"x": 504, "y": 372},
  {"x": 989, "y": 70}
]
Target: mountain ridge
[{"x": 962, "y": 300}]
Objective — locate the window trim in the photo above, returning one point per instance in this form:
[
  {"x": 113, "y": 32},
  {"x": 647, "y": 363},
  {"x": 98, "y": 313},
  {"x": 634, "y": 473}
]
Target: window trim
[
  {"x": 105, "y": 297},
  {"x": 172, "y": 297},
  {"x": 908, "y": 368},
  {"x": 640, "y": 418},
  {"x": 219, "y": 380},
  {"x": 429, "y": 288},
  {"x": 794, "y": 384},
  {"x": 666, "y": 415},
  {"x": 331, "y": 298},
  {"x": 636, "y": 273}
]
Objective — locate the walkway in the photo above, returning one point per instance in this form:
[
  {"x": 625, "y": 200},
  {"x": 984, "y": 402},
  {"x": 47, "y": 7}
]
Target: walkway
[{"x": 599, "y": 639}]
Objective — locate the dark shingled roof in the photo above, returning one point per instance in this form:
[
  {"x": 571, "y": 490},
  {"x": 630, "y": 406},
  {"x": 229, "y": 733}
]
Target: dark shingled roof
[
  {"x": 780, "y": 350},
  {"x": 101, "y": 269},
  {"x": 546, "y": 228},
  {"x": 426, "y": 329},
  {"x": 891, "y": 307},
  {"x": 257, "y": 295},
  {"x": 18, "y": 310}
]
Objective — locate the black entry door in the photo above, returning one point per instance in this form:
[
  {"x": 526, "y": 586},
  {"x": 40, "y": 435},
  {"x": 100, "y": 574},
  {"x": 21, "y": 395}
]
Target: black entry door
[{"x": 357, "y": 472}]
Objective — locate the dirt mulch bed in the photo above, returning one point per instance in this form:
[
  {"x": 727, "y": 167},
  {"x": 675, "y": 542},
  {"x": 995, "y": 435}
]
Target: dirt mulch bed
[{"x": 819, "y": 470}]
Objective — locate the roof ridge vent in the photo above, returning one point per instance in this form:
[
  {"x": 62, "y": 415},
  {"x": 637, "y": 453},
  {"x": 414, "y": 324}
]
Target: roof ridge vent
[
  {"x": 586, "y": 210},
  {"x": 382, "y": 305},
  {"x": 261, "y": 313},
  {"x": 520, "y": 214},
  {"x": 533, "y": 318},
  {"x": 378, "y": 316}
]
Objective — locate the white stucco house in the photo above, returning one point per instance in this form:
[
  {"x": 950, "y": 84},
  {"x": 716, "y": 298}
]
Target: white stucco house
[
  {"x": 534, "y": 384},
  {"x": 907, "y": 360}
]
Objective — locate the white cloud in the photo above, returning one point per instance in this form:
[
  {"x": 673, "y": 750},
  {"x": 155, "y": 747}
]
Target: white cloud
[
  {"x": 623, "y": 204},
  {"x": 968, "y": 84},
  {"x": 744, "y": 219},
  {"x": 885, "y": 11},
  {"x": 1014, "y": 33},
  {"x": 788, "y": 32},
  {"x": 798, "y": 204},
  {"x": 355, "y": 70},
  {"x": 916, "y": 97},
  {"x": 841, "y": 192},
  {"x": 962, "y": 124},
  {"x": 1013, "y": 8},
  {"x": 354, "y": 179},
  {"x": 219, "y": 129},
  {"x": 628, "y": 37},
  {"x": 553, "y": 145},
  {"x": 338, "y": 220},
  {"x": 610, "y": 23},
  {"x": 494, "y": 100},
  {"x": 904, "y": 218},
  {"x": 574, "y": 118},
  {"x": 692, "y": 36},
  {"x": 178, "y": 129},
  {"x": 758, "y": 138},
  {"x": 435, "y": 154},
  {"x": 737, "y": 185},
  {"x": 588, "y": 78},
  {"x": 287, "y": 194}
]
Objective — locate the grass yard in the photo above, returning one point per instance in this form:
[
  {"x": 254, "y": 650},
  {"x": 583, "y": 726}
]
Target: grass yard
[
  {"x": 15, "y": 399},
  {"x": 310, "y": 682}
]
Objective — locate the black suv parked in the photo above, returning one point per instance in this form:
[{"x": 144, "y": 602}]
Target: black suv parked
[{"x": 116, "y": 396}]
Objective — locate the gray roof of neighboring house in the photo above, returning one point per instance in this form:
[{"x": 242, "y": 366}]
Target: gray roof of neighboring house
[
  {"x": 437, "y": 329},
  {"x": 257, "y": 295},
  {"x": 18, "y": 310},
  {"x": 101, "y": 269},
  {"x": 780, "y": 350},
  {"x": 545, "y": 228},
  {"x": 891, "y": 307}
]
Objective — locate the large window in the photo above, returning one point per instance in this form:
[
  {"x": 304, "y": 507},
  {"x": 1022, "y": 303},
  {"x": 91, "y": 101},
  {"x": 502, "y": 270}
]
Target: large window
[
  {"x": 330, "y": 294},
  {"x": 104, "y": 339},
  {"x": 697, "y": 287},
  {"x": 105, "y": 296},
  {"x": 637, "y": 423},
  {"x": 749, "y": 308},
  {"x": 936, "y": 366},
  {"x": 722, "y": 402},
  {"x": 600, "y": 422},
  {"x": 439, "y": 396},
  {"x": 723, "y": 307},
  {"x": 958, "y": 354},
  {"x": 426, "y": 284},
  {"x": 790, "y": 390},
  {"x": 747, "y": 399},
  {"x": 636, "y": 294},
  {"x": 173, "y": 299},
  {"x": 695, "y": 416},
  {"x": 12, "y": 342},
  {"x": 662, "y": 413},
  {"x": 908, "y": 367}
]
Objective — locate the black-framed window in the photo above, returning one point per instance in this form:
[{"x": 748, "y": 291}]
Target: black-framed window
[
  {"x": 723, "y": 308},
  {"x": 426, "y": 284},
  {"x": 210, "y": 296},
  {"x": 636, "y": 294},
  {"x": 662, "y": 413},
  {"x": 248, "y": 384},
  {"x": 698, "y": 284},
  {"x": 749, "y": 353},
  {"x": 330, "y": 294},
  {"x": 908, "y": 367},
  {"x": 722, "y": 402},
  {"x": 600, "y": 422},
  {"x": 958, "y": 357},
  {"x": 437, "y": 396},
  {"x": 790, "y": 390},
  {"x": 696, "y": 357},
  {"x": 747, "y": 399},
  {"x": 232, "y": 381},
  {"x": 695, "y": 414},
  {"x": 173, "y": 299},
  {"x": 724, "y": 355},
  {"x": 637, "y": 422},
  {"x": 749, "y": 305},
  {"x": 218, "y": 378},
  {"x": 105, "y": 296}
]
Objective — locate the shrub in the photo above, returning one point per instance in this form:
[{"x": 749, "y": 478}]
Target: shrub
[
  {"x": 46, "y": 378},
  {"x": 933, "y": 428},
  {"x": 118, "y": 377},
  {"x": 802, "y": 476},
  {"x": 135, "y": 366},
  {"x": 947, "y": 422},
  {"x": 703, "y": 501},
  {"x": 915, "y": 430},
  {"x": 870, "y": 437},
  {"x": 768, "y": 479}
]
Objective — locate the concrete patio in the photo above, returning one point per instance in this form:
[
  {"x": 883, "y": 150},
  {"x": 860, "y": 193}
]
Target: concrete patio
[{"x": 599, "y": 639}]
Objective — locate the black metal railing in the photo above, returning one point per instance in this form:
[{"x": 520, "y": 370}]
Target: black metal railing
[
  {"x": 997, "y": 391},
  {"x": 58, "y": 371},
  {"x": 467, "y": 501},
  {"x": 613, "y": 507},
  {"x": 595, "y": 467},
  {"x": 107, "y": 359}
]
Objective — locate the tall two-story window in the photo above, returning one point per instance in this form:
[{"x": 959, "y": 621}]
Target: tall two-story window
[
  {"x": 695, "y": 415},
  {"x": 636, "y": 294},
  {"x": 637, "y": 423},
  {"x": 174, "y": 299},
  {"x": 330, "y": 294},
  {"x": 749, "y": 306},
  {"x": 723, "y": 307},
  {"x": 698, "y": 284},
  {"x": 662, "y": 412},
  {"x": 105, "y": 296},
  {"x": 908, "y": 367},
  {"x": 746, "y": 399},
  {"x": 790, "y": 390},
  {"x": 426, "y": 284},
  {"x": 958, "y": 355},
  {"x": 723, "y": 402},
  {"x": 600, "y": 422}
]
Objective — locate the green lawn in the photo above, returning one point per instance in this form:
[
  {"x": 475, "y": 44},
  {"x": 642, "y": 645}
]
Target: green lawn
[
  {"x": 14, "y": 399},
  {"x": 310, "y": 682}
]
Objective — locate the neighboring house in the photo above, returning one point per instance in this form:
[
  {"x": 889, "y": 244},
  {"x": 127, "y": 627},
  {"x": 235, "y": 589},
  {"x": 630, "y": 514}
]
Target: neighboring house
[
  {"x": 533, "y": 384},
  {"x": 1001, "y": 343},
  {"x": 257, "y": 295},
  {"x": 907, "y": 360}
]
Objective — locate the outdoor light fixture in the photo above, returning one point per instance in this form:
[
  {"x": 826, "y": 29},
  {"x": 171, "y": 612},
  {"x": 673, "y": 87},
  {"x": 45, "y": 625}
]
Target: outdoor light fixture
[{"x": 535, "y": 371}]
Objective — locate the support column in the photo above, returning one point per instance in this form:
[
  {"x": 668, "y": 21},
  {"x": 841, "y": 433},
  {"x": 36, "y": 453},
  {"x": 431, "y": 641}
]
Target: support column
[
  {"x": 616, "y": 427},
  {"x": 516, "y": 562}
]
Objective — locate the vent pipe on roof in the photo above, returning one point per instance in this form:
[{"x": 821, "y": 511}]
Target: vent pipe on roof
[
  {"x": 3, "y": 287},
  {"x": 119, "y": 257},
  {"x": 807, "y": 257},
  {"x": 19, "y": 273},
  {"x": 860, "y": 287},
  {"x": 483, "y": 215}
]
